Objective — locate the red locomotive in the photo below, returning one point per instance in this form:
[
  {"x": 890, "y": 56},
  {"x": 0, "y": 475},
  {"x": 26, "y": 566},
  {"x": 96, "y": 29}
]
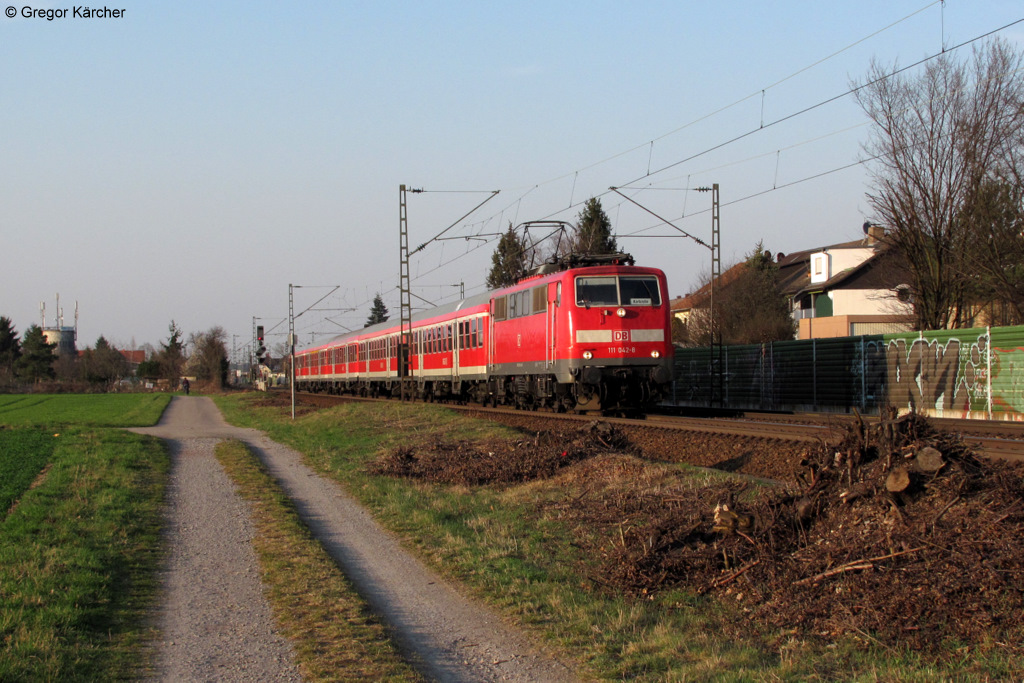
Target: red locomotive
[{"x": 585, "y": 334}]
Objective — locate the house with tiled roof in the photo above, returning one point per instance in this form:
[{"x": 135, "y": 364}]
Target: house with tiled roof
[
  {"x": 682, "y": 306},
  {"x": 847, "y": 289},
  {"x": 839, "y": 290}
]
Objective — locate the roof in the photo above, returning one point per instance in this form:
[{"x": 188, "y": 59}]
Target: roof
[
  {"x": 137, "y": 356},
  {"x": 795, "y": 273},
  {"x": 686, "y": 303}
]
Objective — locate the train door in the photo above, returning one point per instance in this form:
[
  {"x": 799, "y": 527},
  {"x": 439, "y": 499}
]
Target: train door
[
  {"x": 490, "y": 340},
  {"x": 457, "y": 329},
  {"x": 554, "y": 294}
]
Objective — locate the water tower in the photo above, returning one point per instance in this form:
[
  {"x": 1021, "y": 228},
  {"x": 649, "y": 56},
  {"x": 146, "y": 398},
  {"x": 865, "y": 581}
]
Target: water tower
[{"x": 64, "y": 337}]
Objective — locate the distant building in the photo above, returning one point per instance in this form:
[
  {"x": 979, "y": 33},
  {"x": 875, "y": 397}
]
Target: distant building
[
  {"x": 65, "y": 338},
  {"x": 134, "y": 358}
]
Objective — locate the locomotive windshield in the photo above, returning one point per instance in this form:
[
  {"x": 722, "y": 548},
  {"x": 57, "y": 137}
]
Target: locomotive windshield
[{"x": 625, "y": 290}]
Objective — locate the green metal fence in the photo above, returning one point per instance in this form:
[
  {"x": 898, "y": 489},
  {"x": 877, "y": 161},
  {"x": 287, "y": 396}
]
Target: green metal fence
[{"x": 975, "y": 373}]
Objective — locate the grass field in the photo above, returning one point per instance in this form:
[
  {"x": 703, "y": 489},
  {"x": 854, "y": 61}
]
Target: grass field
[
  {"x": 79, "y": 536},
  {"x": 23, "y": 455},
  {"x": 82, "y": 410},
  {"x": 504, "y": 547}
]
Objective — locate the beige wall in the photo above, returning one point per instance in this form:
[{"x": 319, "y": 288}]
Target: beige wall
[
  {"x": 867, "y": 302},
  {"x": 839, "y": 325}
]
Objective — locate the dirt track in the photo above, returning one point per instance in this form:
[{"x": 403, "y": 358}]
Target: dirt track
[{"x": 215, "y": 623}]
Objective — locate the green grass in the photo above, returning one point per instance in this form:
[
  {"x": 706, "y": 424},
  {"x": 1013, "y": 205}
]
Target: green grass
[
  {"x": 55, "y": 411},
  {"x": 334, "y": 634},
  {"x": 78, "y": 560},
  {"x": 498, "y": 543},
  {"x": 23, "y": 455}
]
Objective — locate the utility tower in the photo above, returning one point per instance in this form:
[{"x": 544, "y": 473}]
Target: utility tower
[{"x": 405, "y": 295}]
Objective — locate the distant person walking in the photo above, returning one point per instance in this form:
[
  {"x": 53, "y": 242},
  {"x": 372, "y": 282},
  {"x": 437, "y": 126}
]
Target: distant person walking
[{"x": 185, "y": 385}]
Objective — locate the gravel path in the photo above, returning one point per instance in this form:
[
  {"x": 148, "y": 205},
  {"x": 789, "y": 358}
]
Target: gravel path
[{"x": 447, "y": 636}]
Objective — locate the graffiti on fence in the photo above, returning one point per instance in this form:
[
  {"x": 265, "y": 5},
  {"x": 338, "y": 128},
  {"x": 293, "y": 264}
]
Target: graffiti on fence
[{"x": 925, "y": 374}]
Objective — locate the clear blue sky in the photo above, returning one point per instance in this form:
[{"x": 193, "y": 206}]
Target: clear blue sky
[{"x": 189, "y": 160}]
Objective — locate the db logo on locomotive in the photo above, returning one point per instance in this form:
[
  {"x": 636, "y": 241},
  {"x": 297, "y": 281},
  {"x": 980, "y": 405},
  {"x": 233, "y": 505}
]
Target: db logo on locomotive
[{"x": 620, "y": 335}]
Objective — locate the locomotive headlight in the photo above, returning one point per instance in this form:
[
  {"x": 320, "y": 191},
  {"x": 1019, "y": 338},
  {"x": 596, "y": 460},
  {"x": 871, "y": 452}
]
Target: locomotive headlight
[
  {"x": 587, "y": 355},
  {"x": 621, "y": 312},
  {"x": 655, "y": 353}
]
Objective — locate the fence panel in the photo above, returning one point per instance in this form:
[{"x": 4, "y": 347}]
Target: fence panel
[{"x": 945, "y": 373}]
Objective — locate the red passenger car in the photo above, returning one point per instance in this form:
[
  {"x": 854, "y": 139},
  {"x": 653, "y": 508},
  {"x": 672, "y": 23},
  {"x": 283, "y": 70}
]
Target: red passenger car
[{"x": 584, "y": 335}]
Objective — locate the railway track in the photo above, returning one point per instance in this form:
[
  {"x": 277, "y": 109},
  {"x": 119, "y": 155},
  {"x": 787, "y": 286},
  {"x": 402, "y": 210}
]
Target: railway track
[{"x": 994, "y": 440}]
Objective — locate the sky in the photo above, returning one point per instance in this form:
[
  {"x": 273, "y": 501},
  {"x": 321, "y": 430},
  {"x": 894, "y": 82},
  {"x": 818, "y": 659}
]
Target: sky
[{"x": 196, "y": 161}]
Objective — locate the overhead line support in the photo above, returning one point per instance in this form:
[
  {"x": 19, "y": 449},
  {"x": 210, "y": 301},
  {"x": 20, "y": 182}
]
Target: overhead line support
[{"x": 404, "y": 292}]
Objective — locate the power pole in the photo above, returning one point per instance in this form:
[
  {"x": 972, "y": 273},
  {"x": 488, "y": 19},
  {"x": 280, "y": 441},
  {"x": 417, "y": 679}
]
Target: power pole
[
  {"x": 716, "y": 273},
  {"x": 291, "y": 342},
  {"x": 715, "y": 338},
  {"x": 405, "y": 294}
]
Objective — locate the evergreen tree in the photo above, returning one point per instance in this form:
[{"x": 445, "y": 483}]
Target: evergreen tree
[
  {"x": 148, "y": 369},
  {"x": 10, "y": 348},
  {"x": 758, "y": 310},
  {"x": 36, "y": 361},
  {"x": 378, "y": 313},
  {"x": 172, "y": 355},
  {"x": 594, "y": 230},
  {"x": 508, "y": 262},
  {"x": 750, "y": 306}
]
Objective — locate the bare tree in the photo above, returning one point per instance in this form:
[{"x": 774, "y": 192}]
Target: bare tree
[
  {"x": 209, "y": 359},
  {"x": 938, "y": 140}
]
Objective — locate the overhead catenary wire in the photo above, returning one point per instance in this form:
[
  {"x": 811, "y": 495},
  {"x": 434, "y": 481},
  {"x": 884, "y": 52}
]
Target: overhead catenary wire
[
  {"x": 728, "y": 106},
  {"x": 775, "y": 185},
  {"x": 517, "y": 202},
  {"x": 766, "y": 126}
]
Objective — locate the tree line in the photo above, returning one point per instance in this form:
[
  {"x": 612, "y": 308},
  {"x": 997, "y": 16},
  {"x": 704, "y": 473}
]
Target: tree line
[{"x": 30, "y": 359}]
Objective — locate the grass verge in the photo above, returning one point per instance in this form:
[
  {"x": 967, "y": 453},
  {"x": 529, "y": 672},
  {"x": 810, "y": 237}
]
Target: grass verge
[
  {"x": 335, "y": 635},
  {"x": 507, "y": 547},
  {"x": 78, "y": 560}
]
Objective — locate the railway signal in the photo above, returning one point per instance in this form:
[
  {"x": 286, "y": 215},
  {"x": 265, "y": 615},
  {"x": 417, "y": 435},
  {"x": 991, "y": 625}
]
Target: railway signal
[{"x": 261, "y": 350}]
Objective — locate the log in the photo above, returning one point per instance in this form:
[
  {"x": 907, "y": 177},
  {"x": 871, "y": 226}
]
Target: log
[
  {"x": 929, "y": 460},
  {"x": 898, "y": 480}
]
